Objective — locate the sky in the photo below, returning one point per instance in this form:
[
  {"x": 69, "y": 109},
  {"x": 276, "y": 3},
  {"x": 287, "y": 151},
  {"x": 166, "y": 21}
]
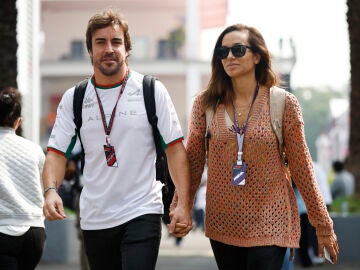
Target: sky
[{"x": 318, "y": 28}]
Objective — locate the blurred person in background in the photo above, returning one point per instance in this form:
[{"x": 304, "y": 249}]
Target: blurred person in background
[
  {"x": 323, "y": 184},
  {"x": 343, "y": 185},
  {"x": 308, "y": 252},
  {"x": 70, "y": 191},
  {"x": 288, "y": 263},
  {"x": 22, "y": 233},
  {"x": 251, "y": 214}
]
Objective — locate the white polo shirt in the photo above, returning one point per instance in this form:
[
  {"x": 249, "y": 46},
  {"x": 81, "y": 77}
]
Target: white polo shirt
[{"x": 112, "y": 196}]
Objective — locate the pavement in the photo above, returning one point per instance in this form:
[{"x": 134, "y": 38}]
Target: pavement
[{"x": 194, "y": 253}]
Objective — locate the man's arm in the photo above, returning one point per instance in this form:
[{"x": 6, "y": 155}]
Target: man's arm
[
  {"x": 181, "y": 221},
  {"x": 53, "y": 174}
]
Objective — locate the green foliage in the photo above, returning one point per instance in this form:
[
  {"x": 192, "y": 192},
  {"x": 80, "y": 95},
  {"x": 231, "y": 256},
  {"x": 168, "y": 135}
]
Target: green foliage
[
  {"x": 316, "y": 112},
  {"x": 69, "y": 212},
  {"x": 177, "y": 37},
  {"x": 353, "y": 205}
]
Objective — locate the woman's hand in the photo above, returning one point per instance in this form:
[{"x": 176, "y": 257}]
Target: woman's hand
[{"x": 330, "y": 243}]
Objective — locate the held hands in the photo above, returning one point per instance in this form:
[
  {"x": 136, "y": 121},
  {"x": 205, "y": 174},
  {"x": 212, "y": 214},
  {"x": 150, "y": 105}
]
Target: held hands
[
  {"x": 330, "y": 243},
  {"x": 181, "y": 222},
  {"x": 53, "y": 207}
]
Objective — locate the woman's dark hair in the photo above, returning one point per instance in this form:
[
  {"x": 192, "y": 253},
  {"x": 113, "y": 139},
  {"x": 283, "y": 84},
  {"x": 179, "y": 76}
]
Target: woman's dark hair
[
  {"x": 10, "y": 106},
  {"x": 105, "y": 19},
  {"x": 220, "y": 85}
]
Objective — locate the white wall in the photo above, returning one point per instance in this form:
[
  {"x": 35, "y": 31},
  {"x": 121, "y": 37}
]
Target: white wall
[{"x": 28, "y": 32}]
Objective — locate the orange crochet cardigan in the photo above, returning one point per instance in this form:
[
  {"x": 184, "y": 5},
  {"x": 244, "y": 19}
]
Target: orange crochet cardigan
[{"x": 264, "y": 210}]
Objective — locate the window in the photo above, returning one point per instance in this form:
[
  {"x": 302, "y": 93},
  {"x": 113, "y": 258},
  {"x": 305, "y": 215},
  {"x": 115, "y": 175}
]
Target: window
[{"x": 77, "y": 49}]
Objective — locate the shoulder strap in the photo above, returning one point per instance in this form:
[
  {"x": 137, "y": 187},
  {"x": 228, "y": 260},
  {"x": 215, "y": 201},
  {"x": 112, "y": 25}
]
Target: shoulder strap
[
  {"x": 209, "y": 115},
  {"x": 277, "y": 108},
  {"x": 79, "y": 94},
  {"x": 149, "y": 99}
]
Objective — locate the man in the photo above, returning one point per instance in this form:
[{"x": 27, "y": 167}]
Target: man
[{"x": 120, "y": 204}]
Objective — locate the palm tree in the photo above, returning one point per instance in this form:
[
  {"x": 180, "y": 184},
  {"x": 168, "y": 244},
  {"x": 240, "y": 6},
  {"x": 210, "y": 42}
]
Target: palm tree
[
  {"x": 353, "y": 18},
  {"x": 8, "y": 43}
]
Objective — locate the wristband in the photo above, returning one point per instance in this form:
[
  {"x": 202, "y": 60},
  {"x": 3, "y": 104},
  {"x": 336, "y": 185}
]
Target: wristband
[{"x": 49, "y": 188}]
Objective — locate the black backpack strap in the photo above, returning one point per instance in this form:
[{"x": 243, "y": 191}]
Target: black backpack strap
[
  {"x": 162, "y": 171},
  {"x": 79, "y": 94},
  {"x": 149, "y": 99}
]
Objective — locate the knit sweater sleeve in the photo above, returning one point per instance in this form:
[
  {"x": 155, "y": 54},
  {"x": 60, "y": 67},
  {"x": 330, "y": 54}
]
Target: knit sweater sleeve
[
  {"x": 195, "y": 145},
  {"x": 301, "y": 167}
]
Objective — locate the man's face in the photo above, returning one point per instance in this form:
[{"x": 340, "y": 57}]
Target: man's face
[{"x": 108, "y": 53}]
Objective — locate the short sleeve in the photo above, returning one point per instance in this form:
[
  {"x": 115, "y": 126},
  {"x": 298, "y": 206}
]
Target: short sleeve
[
  {"x": 168, "y": 121},
  {"x": 63, "y": 135}
]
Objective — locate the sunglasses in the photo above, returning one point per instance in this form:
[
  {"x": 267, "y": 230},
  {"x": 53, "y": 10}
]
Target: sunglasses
[{"x": 237, "y": 51}]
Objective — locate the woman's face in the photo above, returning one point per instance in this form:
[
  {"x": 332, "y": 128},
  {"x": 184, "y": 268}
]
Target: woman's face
[{"x": 238, "y": 66}]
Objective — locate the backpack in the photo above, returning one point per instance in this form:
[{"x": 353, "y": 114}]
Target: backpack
[
  {"x": 162, "y": 171},
  {"x": 277, "y": 108}
]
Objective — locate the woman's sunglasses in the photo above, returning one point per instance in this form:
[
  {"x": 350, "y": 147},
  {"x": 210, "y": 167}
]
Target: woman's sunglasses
[{"x": 237, "y": 51}]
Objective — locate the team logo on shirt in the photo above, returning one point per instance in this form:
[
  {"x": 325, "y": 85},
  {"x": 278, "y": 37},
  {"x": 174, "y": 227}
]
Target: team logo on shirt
[
  {"x": 136, "y": 95},
  {"x": 88, "y": 103},
  {"x": 120, "y": 113}
]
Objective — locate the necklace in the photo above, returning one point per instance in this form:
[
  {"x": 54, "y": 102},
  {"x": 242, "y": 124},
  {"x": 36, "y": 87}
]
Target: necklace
[
  {"x": 239, "y": 113},
  {"x": 238, "y": 129}
]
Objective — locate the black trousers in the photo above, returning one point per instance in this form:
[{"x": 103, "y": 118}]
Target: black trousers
[
  {"x": 22, "y": 252},
  {"x": 229, "y": 257},
  {"x": 133, "y": 245}
]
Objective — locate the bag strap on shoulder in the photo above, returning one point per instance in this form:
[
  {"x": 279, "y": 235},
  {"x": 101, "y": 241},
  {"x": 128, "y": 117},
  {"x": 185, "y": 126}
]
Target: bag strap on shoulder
[
  {"x": 150, "y": 106},
  {"x": 79, "y": 94},
  {"x": 209, "y": 115},
  {"x": 277, "y": 108}
]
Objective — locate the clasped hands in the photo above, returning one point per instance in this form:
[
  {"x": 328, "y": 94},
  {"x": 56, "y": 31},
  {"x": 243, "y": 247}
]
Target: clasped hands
[{"x": 181, "y": 221}]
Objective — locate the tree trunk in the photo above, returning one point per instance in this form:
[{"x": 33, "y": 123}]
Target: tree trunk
[
  {"x": 8, "y": 43},
  {"x": 353, "y": 18}
]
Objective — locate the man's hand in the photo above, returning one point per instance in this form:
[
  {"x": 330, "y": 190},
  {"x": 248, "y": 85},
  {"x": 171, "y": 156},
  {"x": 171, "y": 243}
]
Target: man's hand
[
  {"x": 54, "y": 169},
  {"x": 181, "y": 222},
  {"x": 53, "y": 207}
]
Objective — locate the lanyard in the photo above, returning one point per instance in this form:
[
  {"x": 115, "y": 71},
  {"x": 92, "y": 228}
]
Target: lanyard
[
  {"x": 240, "y": 131},
  {"x": 107, "y": 128}
]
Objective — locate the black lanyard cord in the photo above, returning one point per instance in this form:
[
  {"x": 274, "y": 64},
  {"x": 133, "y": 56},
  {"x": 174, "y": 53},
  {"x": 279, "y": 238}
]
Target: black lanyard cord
[{"x": 107, "y": 128}]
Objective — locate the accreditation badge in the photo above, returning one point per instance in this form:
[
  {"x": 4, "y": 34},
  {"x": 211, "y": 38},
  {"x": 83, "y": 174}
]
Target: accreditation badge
[
  {"x": 110, "y": 155},
  {"x": 238, "y": 174}
]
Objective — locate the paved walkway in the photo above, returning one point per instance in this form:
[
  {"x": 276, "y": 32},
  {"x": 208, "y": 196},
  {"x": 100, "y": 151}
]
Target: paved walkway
[{"x": 194, "y": 253}]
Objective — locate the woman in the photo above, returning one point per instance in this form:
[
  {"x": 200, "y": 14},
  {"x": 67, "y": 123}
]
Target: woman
[
  {"x": 22, "y": 233},
  {"x": 251, "y": 213}
]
